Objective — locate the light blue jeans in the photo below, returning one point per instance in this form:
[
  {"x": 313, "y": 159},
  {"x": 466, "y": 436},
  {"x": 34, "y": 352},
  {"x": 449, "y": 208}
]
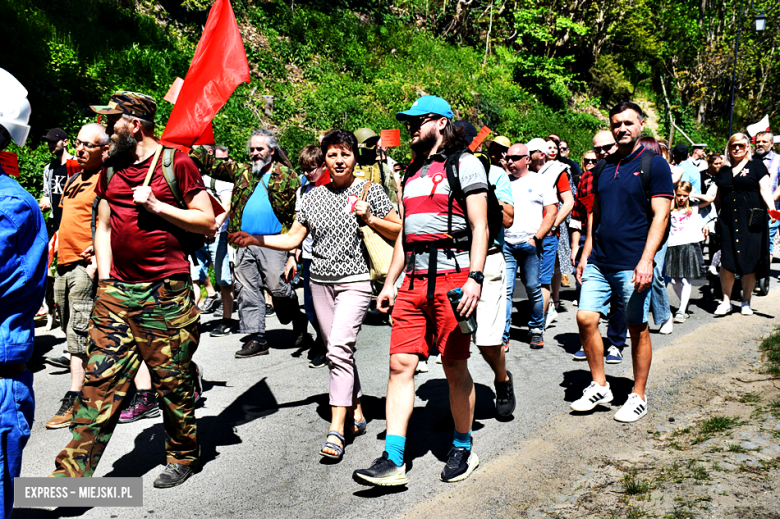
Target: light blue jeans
[
  {"x": 528, "y": 260},
  {"x": 659, "y": 297}
]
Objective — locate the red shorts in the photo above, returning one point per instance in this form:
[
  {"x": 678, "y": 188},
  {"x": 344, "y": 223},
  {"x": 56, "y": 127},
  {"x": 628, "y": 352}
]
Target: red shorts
[{"x": 418, "y": 321}]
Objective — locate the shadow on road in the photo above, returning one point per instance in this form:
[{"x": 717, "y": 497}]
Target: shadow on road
[
  {"x": 575, "y": 381},
  {"x": 44, "y": 344},
  {"x": 37, "y": 513}
]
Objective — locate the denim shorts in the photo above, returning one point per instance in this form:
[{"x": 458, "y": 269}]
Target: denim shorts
[
  {"x": 549, "y": 254},
  {"x": 216, "y": 255},
  {"x": 597, "y": 286}
]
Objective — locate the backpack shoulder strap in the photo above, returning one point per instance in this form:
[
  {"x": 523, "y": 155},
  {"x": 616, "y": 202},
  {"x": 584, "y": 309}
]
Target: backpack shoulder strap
[
  {"x": 170, "y": 176},
  {"x": 451, "y": 167},
  {"x": 597, "y": 173},
  {"x": 71, "y": 179},
  {"x": 644, "y": 170}
]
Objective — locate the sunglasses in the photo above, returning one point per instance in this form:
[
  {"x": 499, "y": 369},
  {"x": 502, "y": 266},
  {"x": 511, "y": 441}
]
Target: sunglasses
[
  {"x": 516, "y": 158},
  {"x": 590, "y": 161},
  {"x": 564, "y": 148},
  {"x": 416, "y": 122},
  {"x": 87, "y": 145},
  {"x": 736, "y": 146},
  {"x": 605, "y": 149}
]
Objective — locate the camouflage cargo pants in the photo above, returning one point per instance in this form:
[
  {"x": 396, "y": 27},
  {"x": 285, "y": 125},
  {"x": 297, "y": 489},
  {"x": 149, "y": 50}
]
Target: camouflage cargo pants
[{"x": 154, "y": 322}]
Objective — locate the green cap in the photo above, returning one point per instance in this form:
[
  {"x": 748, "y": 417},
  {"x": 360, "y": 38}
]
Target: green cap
[
  {"x": 364, "y": 135},
  {"x": 128, "y": 103}
]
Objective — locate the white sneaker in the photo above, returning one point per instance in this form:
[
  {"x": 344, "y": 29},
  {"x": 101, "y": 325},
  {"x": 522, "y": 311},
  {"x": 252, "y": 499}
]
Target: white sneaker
[
  {"x": 723, "y": 309},
  {"x": 593, "y": 395},
  {"x": 746, "y": 310},
  {"x": 680, "y": 317},
  {"x": 438, "y": 359},
  {"x": 634, "y": 409},
  {"x": 667, "y": 327},
  {"x": 552, "y": 315},
  {"x": 713, "y": 270},
  {"x": 422, "y": 366}
]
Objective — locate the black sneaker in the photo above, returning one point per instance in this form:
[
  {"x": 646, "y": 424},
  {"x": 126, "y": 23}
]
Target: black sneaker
[
  {"x": 383, "y": 473},
  {"x": 537, "y": 340},
  {"x": 460, "y": 465},
  {"x": 60, "y": 362},
  {"x": 317, "y": 362},
  {"x": 505, "y": 397},
  {"x": 252, "y": 349},
  {"x": 221, "y": 330},
  {"x": 173, "y": 474},
  {"x": 269, "y": 310},
  {"x": 210, "y": 304}
]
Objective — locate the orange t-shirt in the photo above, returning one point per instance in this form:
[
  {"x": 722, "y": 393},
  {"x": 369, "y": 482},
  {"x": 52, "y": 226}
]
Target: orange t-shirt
[{"x": 75, "y": 227}]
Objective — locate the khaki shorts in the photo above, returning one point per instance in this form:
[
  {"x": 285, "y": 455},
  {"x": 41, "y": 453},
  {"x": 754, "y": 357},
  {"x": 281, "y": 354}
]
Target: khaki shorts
[{"x": 491, "y": 310}]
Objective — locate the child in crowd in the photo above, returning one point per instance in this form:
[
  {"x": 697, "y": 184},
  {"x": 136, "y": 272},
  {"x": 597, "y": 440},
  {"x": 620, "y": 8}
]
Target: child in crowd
[{"x": 683, "y": 258}]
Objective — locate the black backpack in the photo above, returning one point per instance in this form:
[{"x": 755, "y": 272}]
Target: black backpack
[
  {"x": 459, "y": 240},
  {"x": 644, "y": 174}
]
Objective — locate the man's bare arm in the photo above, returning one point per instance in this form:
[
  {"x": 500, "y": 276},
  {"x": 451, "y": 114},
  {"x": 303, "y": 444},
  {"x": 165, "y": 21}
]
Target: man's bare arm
[{"x": 103, "y": 253}]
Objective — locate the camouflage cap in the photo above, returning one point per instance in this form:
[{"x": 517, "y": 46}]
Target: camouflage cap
[{"x": 129, "y": 103}]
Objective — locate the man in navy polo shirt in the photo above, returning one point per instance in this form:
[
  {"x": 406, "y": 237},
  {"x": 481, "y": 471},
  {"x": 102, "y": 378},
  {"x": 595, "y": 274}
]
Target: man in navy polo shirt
[{"x": 627, "y": 231}]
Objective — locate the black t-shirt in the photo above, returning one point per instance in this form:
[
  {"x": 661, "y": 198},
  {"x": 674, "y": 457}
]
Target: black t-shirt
[{"x": 59, "y": 176}]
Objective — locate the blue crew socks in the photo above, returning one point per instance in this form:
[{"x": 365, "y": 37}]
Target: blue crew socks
[
  {"x": 394, "y": 446},
  {"x": 462, "y": 440}
]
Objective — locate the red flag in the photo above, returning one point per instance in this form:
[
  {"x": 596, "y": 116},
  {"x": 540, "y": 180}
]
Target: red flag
[{"x": 218, "y": 67}]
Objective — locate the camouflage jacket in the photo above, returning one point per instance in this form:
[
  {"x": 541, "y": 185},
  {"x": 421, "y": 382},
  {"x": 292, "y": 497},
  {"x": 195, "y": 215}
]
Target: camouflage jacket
[{"x": 281, "y": 187}]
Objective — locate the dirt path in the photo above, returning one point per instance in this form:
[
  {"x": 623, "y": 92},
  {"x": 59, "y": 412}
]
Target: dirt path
[{"x": 708, "y": 447}]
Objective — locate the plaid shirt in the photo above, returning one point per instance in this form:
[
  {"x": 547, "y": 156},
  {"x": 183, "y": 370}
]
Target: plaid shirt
[{"x": 584, "y": 203}]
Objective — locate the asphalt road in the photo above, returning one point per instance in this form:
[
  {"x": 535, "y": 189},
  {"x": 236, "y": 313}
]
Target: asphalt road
[{"x": 263, "y": 419}]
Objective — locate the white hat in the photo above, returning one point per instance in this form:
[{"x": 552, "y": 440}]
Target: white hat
[
  {"x": 537, "y": 144},
  {"x": 14, "y": 107}
]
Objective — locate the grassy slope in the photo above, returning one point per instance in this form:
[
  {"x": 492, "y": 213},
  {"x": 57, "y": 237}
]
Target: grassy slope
[{"x": 325, "y": 68}]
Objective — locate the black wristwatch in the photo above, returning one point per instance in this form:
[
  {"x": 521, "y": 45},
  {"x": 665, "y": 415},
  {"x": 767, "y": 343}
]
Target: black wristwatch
[{"x": 477, "y": 276}]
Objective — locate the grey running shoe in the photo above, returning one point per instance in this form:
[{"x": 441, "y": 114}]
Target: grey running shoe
[
  {"x": 460, "y": 465},
  {"x": 383, "y": 473}
]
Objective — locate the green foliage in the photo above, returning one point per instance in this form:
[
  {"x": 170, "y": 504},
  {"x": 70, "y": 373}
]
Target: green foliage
[
  {"x": 719, "y": 424},
  {"x": 771, "y": 348},
  {"x": 609, "y": 80}
]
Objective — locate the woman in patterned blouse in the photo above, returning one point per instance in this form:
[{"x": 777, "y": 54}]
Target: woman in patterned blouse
[{"x": 340, "y": 279}]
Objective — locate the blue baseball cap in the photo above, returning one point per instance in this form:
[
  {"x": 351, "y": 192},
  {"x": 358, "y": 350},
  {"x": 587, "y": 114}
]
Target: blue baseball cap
[{"x": 426, "y": 105}]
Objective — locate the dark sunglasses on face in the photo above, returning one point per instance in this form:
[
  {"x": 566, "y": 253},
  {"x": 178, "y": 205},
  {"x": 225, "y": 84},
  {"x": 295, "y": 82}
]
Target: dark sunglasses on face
[
  {"x": 737, "y": 146},
  {"x": 416, "y": 122},
  {"x": 590, "y": 161},
  {"x": 564, "y": 148},
  {"x": 515, "y": 158},
  {"x": 605, "y": 149}
]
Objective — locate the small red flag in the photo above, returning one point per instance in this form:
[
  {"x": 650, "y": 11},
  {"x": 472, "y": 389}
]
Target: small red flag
[
  {"x": 481, "y": 136},
  {"x": 218, "y": 67},
  {"x": 9, "y": 162},
  {"x": 390, "y": 138}
]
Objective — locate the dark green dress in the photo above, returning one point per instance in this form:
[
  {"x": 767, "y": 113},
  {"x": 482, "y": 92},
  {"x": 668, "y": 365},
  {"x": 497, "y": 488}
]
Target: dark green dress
[{"x": 744, "y": 251}]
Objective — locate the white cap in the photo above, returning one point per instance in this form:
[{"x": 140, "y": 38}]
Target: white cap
[
  {"x": 537, "y": 144},
  {"x": 14, "y": 107}
]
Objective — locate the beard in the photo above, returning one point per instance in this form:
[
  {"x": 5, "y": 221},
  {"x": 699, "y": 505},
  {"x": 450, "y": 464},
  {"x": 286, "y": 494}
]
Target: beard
[
  {"x": 259, "y": 165},
  {"x": 761, "y": 153},
  {"x": 121, "y": 149},
  {"x": 424, "y": 144}
]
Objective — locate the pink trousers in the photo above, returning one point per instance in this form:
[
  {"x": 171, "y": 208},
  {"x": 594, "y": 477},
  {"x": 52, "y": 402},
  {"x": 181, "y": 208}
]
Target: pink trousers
[{"x": 340, "y": 309}]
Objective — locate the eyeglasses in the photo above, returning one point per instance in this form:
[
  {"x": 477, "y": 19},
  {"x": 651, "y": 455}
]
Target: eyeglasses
[
  {"x": 590, "y": 161},
  {"x": 737, "y": 146},
  {"x": 605, "y": 148},
  {"x": 416, "y": 122},
  {"x": 87, "y": 145},
  {"x": 563, "y": 148}
]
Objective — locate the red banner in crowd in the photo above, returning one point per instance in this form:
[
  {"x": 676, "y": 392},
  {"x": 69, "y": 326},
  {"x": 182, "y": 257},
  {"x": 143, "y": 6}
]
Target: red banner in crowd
[
  {"x": 481, "y": 136},
  {"x": 9, "y": 162},
  {"x": 390, "y": 138},
  {"x": 218, "y": 67}
]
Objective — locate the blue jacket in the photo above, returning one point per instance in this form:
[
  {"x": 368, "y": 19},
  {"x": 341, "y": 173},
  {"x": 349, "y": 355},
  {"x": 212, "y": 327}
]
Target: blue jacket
[{"x": 23, "y": 258}]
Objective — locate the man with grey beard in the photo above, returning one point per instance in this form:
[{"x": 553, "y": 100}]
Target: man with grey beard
[{"x": 263, "y": 203}]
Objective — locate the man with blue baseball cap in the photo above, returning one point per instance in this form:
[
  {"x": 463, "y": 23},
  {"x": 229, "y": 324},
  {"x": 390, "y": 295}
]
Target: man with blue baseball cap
[{"x": 443, "y": 247}]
